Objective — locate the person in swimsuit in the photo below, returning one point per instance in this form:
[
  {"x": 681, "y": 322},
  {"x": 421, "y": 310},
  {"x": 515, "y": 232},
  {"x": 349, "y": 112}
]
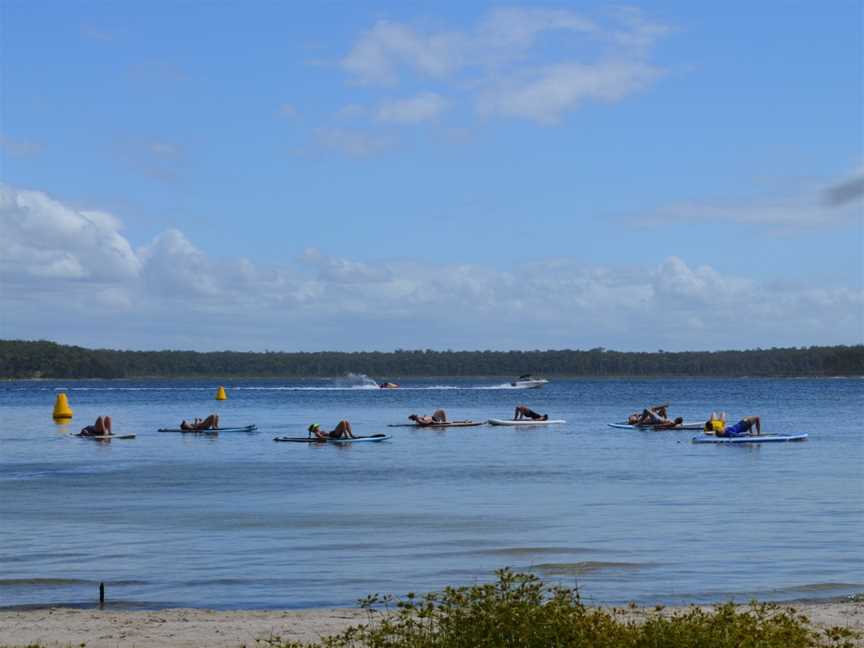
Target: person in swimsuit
[
  {"x": 102, "y": 427},
  {"x": 741, "y": 428},
  {"x": 650, "y": 416},
  {"x": 668, "y": 425},
  {"x": 210, "y": 423},
  {"x": 439, "y": 416},
  {"x": 341, "y": 431},
  {"x": 523, "y": 411}
]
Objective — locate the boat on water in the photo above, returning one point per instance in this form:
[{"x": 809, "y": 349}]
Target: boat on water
[
  {"x": 388, "y": 385},
  {"x": 527, "y": 381}
]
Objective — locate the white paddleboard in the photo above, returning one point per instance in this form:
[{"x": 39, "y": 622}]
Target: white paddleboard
[
  {"x": 684, "y": 426},
  {"x": 524, "y": 422},
  {"x": 439, "y": 425}
]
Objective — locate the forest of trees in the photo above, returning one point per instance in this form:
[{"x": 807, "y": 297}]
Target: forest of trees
[{"x": 43, "y": 359}]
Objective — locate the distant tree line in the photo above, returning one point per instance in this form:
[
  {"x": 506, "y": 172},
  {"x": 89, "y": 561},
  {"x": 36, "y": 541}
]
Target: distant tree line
[{"x": 43, "y": 359}]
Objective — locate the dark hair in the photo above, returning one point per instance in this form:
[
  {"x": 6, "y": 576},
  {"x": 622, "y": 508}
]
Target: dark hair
[{"x": 679, "y": 421}]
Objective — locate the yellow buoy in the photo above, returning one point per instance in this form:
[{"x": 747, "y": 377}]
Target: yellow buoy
[
  {"x": 220, "y": 394},
  {"x": 61, "y": 407}
]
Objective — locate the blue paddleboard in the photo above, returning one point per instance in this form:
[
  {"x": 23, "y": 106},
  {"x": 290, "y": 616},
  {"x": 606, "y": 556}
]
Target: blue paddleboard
[
  {"x": 763, "y": 438},
  {"x": 247, "y": 428},
  {"x": 360, "y": 439}
]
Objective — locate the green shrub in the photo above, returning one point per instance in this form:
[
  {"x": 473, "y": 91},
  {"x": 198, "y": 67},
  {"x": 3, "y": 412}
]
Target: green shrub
[{"x": 518, "y": 610}]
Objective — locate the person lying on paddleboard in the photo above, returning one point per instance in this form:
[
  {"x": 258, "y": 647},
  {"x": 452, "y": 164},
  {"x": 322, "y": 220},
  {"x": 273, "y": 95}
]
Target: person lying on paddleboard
[
  {"x": 439, "y": 416},
  {"x": 741, "y": 428},
  {"x": 523, "y": 411},
  {"x": 209, "y": 423},
  {"x": 341, "y": 431},
  {"x": 668, "y": 425},
  {"x": 650, "y": 416},
  {"x": 102, "y": 427}
]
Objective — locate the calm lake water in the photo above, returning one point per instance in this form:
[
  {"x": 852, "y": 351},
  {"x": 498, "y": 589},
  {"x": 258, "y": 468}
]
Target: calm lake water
[{"x": 238, "y": 521}]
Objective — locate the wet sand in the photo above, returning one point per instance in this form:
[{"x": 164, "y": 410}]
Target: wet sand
[{"x": 185, "y": 628}]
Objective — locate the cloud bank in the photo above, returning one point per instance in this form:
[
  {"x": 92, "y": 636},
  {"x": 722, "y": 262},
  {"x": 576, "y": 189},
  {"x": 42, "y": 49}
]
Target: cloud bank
[{"x": 70, "y": 274}]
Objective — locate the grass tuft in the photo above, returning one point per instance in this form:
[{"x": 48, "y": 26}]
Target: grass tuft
[{"x": 520, "y": 611}]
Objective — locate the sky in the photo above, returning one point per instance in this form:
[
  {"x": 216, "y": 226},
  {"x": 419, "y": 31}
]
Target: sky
[{"x": 453, "y": 175}]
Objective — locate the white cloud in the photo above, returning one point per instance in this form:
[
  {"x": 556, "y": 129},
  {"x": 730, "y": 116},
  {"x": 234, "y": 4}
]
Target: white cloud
[
  {"x": 423, "y": 107},
  {"x": 170, "y": 293},
  {"x": 546, "y": 94},
  {"x": 163, "y": 149},
  {"x": 351, "y": 111},
  {"x": 846, "y": 190},
  {"x": 354, "y": 143},
  {"x": 94, "y": 33},
  {"x": 157, "y": 159},
  {"x": 501, "y": 61},
  {"x": 379, "y": 53},
  {"x": 20, "y": 148},
  {"x": 799, "y": 209},
  {"x": 41, "y": 237},
  {"x": 287, "y": 110},
  {"x": 508, "y": 32}
]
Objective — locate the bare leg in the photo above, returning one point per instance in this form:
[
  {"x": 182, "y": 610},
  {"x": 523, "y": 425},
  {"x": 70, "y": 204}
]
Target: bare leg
[
  {"x": 100, "y": 426},
  {"x": 756, "y": 422},
  {"x": 343, "y": 431},
  {"x": 440, "y": 416},
  {"x": 106, "y": 420},
  {"x": 655, "y": 416}
]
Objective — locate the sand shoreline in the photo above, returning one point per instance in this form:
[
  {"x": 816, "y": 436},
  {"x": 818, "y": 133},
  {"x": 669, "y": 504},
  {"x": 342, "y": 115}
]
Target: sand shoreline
[{"x": 185, "y": 627}]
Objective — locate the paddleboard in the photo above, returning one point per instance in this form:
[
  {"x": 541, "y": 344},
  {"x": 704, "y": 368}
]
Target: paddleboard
[
  {"x": 440, "y": 425},
  {"x": 360, "y": 439},
  {"x": 523, "y": 422},
  {"x": 762, "y": 438},
  {"x": 105, "y": 437},
  {"x": 248, "y": 428},
  {"x": 683, "y": 426}
]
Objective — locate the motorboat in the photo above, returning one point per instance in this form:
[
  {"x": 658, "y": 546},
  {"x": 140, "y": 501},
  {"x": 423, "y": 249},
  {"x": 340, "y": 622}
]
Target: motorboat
[{"x": 527, "y": 381}]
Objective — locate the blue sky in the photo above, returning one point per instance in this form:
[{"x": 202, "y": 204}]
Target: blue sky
[{"x": 350, "y": 176}]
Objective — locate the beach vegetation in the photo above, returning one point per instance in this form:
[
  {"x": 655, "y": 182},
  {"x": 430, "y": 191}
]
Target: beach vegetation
[{"x": 519, "y": 610}]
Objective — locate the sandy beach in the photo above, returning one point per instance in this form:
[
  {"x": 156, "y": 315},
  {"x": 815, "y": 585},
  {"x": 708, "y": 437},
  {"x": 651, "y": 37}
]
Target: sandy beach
[{"x": 182, "y": 628}]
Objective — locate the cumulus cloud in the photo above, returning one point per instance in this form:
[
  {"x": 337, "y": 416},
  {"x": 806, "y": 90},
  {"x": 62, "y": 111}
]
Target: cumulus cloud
[
  {"x": 170, "y": 292},
  {"x": 502, "y": 62},
  {"x": 43, "y": 238},
  {"x": 423, "y": 107}
]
